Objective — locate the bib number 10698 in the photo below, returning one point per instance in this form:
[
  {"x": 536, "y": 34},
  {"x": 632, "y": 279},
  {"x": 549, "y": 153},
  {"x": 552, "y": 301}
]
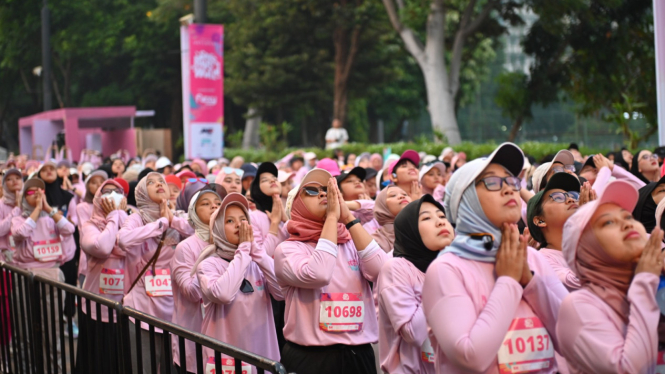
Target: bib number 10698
[{"x": 341, "y": 312}]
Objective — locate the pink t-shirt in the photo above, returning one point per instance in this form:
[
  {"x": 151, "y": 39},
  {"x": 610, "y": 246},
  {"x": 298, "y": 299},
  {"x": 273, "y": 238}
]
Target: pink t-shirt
[
  {"x": 28, "y": 234},
  {"x": 328, "y": 275},
  {"x": 402, "y": 325},
  {"x": 6, "y": 214},
  {"x": 475, "y": 317},
  {"x": 83, "y": 212},
  {"x": 262, "y": 236},
  {"x": 244, "y": 320},
  {"x": 106, "y": 261},
  {"x": 594, "y": 339},
  {"x": 560, "y": 267}
]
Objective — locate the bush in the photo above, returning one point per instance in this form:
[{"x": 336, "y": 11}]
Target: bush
[{"x": 536, "y": 149}]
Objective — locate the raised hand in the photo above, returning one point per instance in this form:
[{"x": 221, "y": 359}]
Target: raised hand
[
  {"x": 599, "y": 160},
  {"x": 108, "y": 205},
  {"x": 123, "y": 204},
  {"x": 587, "y": 194},
  {"x": 246, "y": 233},
  {"x": 509, "y": 257},
  {"x": 652, "y": 257},
  {"x": 416, "y": 191},
  {"x": 277, "y": 210},
  {"x": 333, "y": 200}
]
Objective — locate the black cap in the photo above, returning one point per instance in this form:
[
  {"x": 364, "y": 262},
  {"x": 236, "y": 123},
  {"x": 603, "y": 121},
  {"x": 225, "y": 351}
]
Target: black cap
[
  {"x": 573, "y": 146},
  {"x": 370, "y": 173},
  {"x": 357, "y": 171},
  {"x": 589, "y": 162},
  {"x": 266, "y": 167},
  {"x": 563, "y": 181}
]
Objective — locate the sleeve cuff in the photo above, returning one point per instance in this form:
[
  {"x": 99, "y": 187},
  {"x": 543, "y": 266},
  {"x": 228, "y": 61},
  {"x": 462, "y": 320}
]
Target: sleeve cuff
[
  {"x": 326, "y": 245},
  {"x": 63, "y": 221},
  {"x": 30, "y": 222},
  {"x": 371, "y": 248}
]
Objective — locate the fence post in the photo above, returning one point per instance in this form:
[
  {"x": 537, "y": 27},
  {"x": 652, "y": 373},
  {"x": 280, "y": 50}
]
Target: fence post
[
  {"x": 124, "y": 345},
  {"x": 34, "y": 308}
]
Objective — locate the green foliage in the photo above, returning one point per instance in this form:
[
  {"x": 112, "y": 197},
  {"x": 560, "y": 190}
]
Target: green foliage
[
  {"x": 623, "y": 114},
  {"x": 512, "y": 95},
  {"x": 234, "y": 140},
  {"x": 273, "y": 137}
]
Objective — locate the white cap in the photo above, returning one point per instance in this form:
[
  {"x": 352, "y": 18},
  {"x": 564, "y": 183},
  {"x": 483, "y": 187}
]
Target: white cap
[
  {"x": 309, "y": 156},
  {"x": 283, "y": 176},
  {"x": 427, "y": 159},
  {"x": 427, "y": 167},
  {"x": 563, "y": 157},
  {"x": 211, "y": 164},
  {"x": 87, "y": 168},
  {"x": 162, "y": 162}
]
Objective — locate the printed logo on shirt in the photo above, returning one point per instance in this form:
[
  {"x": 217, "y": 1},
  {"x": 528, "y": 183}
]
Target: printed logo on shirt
[
  {"x": 52, "y": 234},
  {"x": 259, "y": 285},
  {"x": 353, "y": 264}
]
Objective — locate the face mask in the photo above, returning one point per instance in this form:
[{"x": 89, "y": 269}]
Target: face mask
[{"x": 115, "y": 197}]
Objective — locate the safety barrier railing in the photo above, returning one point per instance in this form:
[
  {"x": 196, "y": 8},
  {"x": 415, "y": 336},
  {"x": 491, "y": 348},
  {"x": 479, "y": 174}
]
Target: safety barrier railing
[{"x": 37, "y": 336}]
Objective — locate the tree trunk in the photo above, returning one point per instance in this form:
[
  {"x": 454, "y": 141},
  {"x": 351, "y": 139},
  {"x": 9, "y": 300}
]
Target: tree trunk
[
  {"x": 516, "y": 128},
  {"x": 441, "y": 104},
  {"x": 345, "y": 40},
  {"x": 250, "y": 138}
]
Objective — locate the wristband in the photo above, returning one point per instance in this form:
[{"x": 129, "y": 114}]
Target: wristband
[{"x": 352, "y": 223}]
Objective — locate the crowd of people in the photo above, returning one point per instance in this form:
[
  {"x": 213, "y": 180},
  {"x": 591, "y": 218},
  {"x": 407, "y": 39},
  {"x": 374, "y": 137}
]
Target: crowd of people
[{"x": 410, "y": 263}]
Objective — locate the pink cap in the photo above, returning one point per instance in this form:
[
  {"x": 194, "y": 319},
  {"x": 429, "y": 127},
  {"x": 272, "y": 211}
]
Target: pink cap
[
  {"x": 616, "y": 192},
  {"x": 410, "y": 155},
  {"x": 330, "y": 166}
]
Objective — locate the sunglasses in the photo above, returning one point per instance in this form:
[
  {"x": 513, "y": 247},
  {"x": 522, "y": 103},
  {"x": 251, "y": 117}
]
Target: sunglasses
[
  {"x": 228, "y": 170},
  {"x": 496, "y": 183},
  {"x": 561, "y": 169},
  {"x": 315, "y": 191},
  {"x": 30, "y": 192},
  {"x": 562, "y": 197},
  {"x": 194, "y": 180}
]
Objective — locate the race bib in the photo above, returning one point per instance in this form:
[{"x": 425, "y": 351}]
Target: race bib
[
  {"x": 112, "y": 282},
  {"x": 47, "y": 250},
  {"x": 527, "y": 347},
  {"x": 228, "y": 366},
  {"x": 660, "y": 363},
  {"x": 158, "y": 284},
  {"x": 341, "y": 312},
  {"x": 427, "y": 351}
]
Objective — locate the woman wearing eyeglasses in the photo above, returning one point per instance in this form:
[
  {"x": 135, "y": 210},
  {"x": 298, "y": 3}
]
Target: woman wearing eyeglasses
[
  {"x": 488, "y": 295},
  {"x": 236, "y": 279},
  {"x": 547, "y": 212},
  {"x": 610, "y": 325},
  {"x": 231, "y": 179},
  {"x": 645, "y": 166},
  {"x": 186, "y": 289},
  {"x": 324, "y": 269},
  {"x": 105, "y": 270},
  {"x": 12, "y": 183},
  {"x": 140, "y": 236}
]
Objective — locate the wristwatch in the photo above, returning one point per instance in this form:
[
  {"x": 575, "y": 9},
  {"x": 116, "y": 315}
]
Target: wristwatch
[
  {"x": 54, "y": 211},
  {"x": 352, "y": 223}
]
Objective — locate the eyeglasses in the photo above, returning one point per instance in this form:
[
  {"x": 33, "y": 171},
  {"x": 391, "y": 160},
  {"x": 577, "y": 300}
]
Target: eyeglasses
[
  {"x": 652, "y": 156},
  {"x": 496, "y": 183},
  {"x": 315, "y": 191},
  {"x": 564, "y": 168},
  {"x": 194, "y": 180},
  {"x": 228, "y": 170},
  {"x": 112, "y": 190},
  {"x": 562, "y": 197}
]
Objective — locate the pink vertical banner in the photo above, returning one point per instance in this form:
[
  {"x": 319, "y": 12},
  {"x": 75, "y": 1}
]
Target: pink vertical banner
[{"x": 206, "y": 92}]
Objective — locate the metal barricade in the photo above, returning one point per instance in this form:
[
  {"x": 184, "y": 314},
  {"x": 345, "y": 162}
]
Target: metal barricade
[{"x": 37, "y": 337}]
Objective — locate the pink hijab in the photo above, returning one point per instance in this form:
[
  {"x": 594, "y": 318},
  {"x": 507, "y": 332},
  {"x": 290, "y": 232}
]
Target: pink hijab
[
  {"x": 149, "y": 210},
  {"x": 306, "y": 227},
  {"x": 202, "y": 164},
  {"x": 99, "y": 218},
  {"x": 385, "y": 235}
]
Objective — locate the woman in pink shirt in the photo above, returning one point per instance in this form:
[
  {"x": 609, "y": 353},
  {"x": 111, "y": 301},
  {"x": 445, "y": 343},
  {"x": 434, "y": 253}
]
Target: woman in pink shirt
[
  {"x": 487, "y": 294},
  {"x": 236, "y": 277},
  {"x": 324, "y": 269},
  {"x": 432, "y": 179},
  {"x": 12, "y": 183},
  {"x": 405, "y": 173},
  {"x": 84, "y": 212},
  {"x": 547, "y": 212},
  {"x": 611, "y": 324},
  {"x": 187, "y": 311},
  {"x": 106, "y": 271},
  {"x": 140, "y": 236},
  {"x": 389, "y": 202},
  {"x": 421, "y": 231}
]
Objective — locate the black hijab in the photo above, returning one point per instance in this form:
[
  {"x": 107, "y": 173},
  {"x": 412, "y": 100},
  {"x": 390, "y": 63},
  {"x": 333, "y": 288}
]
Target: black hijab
[
  {"x": 263, "y": 202},
  {"x": 645, "y": 210},
  {"x": 56, "y": 197},
  {"x": 618, "y": 160},
  {"x": 635, "y": 170},
  {"x": 131, "y": 198},
  {"x": 408, "y": 241},
  {"x": 108, "y": 169}
]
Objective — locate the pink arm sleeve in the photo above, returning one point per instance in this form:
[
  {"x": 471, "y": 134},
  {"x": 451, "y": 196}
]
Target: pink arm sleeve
[
  {"x": 405, "y": 312},
  {"x": 181, "y": 272},
  {"x": 71, "y": 212},
  {"x": 366, "y": 211},
  {"x": 297, "y": 268},
  {"x": 100, "y": 244},
  {"x": 267, "y": 265},
  {"x": 182, "y": 226},
  {"x": 592, "y": 343},
  {"x": 221, "y": 287},
  {"x": 622, "y": 174},
  {"x": 65, "y": 228},
  {"x": 470, "y": 340},
  {"x": 602, "y": 179},
  {"x": 133, "y": 232},
  {"x": 22, "y": 227},
  {"x": 262, "y": 237},
  {"x": 372, "y": 259}
]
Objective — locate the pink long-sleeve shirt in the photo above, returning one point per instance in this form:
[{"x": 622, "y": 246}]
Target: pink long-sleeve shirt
[
  {"x": 6, "y": 214},
  {"x": 619, "y": 173},
  {"x": 244, "y": 320},
  {"x": 366, "y": 211},
  {"x": 104, "y": 257},
  {"x": 26, "y": 232},
  {"x": 371, "y": 226},
  {"x": 594, "y": 338},
  {"x": 560, "y": 267},
  {"x": 262, "y": 236},
  {"x": 470, "y": 311},
  {"x": 187, "y": 297},
  {"x": 140, "y": 241},
  {"x": 83, "y": 213},
  {"x": 306, "y": 273},
  {"x": 402, "y": 325}
]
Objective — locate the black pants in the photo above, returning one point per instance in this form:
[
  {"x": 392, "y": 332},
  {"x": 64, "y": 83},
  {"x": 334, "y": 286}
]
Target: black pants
[
  {"x": 97, "y": 349},
  {"x": 332, "y": 359},
  {"x": 278, "y": 311},
  {"x": 70, "y": 269}
]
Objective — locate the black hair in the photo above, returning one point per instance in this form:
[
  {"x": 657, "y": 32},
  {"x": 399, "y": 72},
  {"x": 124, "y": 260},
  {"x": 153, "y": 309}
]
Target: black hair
[
  {"x": 296, "y": 159},
  {"x": 538, "y": 212}
]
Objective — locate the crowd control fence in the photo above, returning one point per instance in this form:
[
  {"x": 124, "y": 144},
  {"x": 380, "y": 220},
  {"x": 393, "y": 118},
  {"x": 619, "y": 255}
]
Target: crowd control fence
[{"x": 37, "y": 337}]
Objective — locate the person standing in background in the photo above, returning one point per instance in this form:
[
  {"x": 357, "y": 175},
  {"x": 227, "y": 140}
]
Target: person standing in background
[{"x": 336, "y": 136}]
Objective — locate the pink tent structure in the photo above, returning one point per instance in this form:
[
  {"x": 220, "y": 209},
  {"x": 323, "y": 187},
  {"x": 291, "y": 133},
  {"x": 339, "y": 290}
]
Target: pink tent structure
[{"x": 105, "y": 129}]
